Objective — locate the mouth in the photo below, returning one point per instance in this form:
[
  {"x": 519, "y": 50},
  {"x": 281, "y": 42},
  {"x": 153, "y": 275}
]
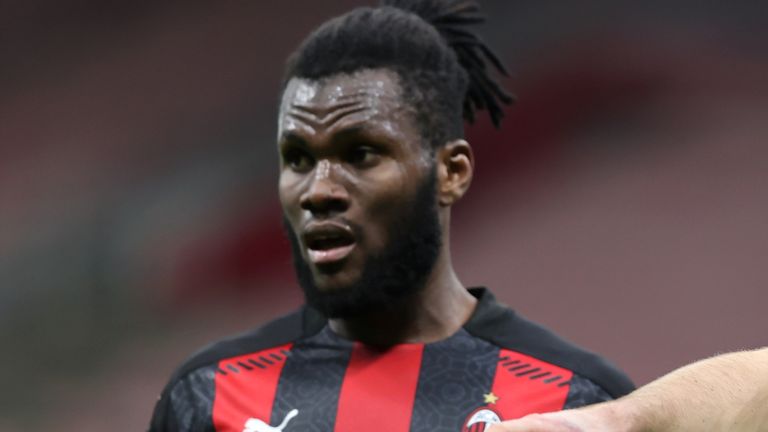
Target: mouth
[{"x": 328, "y": 242}]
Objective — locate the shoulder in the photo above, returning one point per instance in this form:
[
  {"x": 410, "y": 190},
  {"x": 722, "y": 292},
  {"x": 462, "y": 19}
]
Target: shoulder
[
  {"x": 506, "y": 329},
  {"x": 289, "y": 328},
  {"x": 188, "y": 396}
]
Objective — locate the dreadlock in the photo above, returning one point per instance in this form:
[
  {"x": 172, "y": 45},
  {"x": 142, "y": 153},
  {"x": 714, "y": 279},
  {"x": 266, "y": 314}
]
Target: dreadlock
[{"x": 443, "y": 68}]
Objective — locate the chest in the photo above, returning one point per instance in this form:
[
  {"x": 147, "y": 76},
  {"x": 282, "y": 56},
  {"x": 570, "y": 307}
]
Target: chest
[{"x": 461, "y": 384}]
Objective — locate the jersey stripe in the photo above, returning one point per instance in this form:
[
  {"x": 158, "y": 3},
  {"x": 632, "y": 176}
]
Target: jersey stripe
[
  {"x": 245, "y": 388},
  {"x": 456, "y": 374},
  {"x": 311, "y": 383},
  {"x": 526, "y": 385},
  {"x": 379, "y": 389}
]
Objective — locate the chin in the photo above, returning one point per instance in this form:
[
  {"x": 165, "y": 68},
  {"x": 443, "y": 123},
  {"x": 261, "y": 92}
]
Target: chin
[{"x": 336, "y": 281}]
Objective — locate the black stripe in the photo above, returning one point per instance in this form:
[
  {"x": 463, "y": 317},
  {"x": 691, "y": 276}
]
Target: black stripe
[
  {"x": 455, "y": 374},
  {"x": 244, "y": 366},
  {"x": 522, "y": 366},
  {"x": 523, "y": 373},
  {"x": 257, "y": 364},
  {"x": 311, "y": 381}
]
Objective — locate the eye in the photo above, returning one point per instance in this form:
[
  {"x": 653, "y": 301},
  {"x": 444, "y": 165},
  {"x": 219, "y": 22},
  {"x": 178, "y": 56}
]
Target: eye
[
  {"x": 298, "y": 160},
  {"x": 363, "y": 156}
]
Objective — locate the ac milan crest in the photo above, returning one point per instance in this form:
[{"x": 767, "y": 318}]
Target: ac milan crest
[{"x": 480, "y": 419}]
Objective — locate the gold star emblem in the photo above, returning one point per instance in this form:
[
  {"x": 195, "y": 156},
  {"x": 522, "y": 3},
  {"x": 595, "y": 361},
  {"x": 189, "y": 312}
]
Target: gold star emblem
[{"x": 490, "y": 398}]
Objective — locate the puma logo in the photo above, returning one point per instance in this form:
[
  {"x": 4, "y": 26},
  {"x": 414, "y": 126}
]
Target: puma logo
[{"x": 256, "y": 425}]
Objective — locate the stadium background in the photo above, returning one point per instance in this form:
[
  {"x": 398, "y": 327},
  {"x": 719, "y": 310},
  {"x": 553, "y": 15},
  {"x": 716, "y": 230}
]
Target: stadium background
[{"x": 623, "y": 204}]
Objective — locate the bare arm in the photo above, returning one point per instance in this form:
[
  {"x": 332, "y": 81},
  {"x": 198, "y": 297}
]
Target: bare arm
[{"x": 726, "y": 393}]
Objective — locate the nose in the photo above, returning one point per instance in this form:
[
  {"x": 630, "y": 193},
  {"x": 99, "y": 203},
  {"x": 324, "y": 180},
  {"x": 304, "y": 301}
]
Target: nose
[{"x": 324, "y": 194}]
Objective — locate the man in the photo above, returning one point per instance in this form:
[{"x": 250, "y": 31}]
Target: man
[
  {"x": 372, "y": 157},
  {"x": 726, "y": 393}
]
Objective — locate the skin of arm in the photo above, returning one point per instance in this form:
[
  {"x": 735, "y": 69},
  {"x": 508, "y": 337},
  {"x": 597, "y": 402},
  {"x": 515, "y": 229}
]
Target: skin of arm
[{"x": 727, "y": 393}]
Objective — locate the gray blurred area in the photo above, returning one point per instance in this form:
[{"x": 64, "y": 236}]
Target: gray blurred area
[{"x": 623, "y": 203}]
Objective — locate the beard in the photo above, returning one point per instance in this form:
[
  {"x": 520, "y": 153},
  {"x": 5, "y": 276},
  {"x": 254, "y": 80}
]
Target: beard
[{"x": 397, "y": 273}]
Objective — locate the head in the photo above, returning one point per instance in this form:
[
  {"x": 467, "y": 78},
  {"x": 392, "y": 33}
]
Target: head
[{"x": 372, "y": 155}]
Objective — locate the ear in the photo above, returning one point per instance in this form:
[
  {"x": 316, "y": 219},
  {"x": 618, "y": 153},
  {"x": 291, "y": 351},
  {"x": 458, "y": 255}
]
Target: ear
[{"x": 455, "y": 167}]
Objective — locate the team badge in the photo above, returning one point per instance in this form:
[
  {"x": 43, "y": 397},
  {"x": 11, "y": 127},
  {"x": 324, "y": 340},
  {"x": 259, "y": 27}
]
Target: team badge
[{"x": 480, "y": 419}]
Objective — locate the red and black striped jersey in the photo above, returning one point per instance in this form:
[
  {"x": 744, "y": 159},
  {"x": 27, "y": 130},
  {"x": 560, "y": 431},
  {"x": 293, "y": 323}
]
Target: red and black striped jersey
[{"x": 296, "y": 374}]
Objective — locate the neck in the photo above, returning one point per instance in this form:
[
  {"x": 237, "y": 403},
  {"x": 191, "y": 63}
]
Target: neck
[{"x": 434, "y": 313}]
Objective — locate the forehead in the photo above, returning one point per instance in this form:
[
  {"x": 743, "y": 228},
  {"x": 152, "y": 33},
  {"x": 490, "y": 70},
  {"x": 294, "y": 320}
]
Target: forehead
[
  {"x": 366, "y": 96},
  {"x": 373, "y": 85}
]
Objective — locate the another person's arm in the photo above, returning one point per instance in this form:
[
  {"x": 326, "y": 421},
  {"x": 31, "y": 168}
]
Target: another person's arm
[{"x": 724, "y": 393}]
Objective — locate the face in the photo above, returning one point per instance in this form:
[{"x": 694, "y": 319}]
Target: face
[{"x": 358, "y": 191}]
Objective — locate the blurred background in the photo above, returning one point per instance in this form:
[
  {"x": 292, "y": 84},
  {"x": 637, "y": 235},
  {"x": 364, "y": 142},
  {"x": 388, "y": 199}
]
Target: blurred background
[{"x": 623, "y": 203}]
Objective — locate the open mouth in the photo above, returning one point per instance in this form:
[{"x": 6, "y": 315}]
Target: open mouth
[{"x": 328, "y": 243}]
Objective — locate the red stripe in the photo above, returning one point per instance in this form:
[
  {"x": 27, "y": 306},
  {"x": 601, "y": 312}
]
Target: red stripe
[
  {"x": 247, "y": 393},
  {"x": 379, "y": 389},
  {"x": 520, "y": 395}
]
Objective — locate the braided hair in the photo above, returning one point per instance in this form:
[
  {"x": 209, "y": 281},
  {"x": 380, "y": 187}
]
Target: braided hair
[{"x": 443, "y": 68}]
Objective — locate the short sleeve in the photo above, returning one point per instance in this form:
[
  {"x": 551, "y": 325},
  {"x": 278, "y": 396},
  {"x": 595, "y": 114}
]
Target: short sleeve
[
  {"x": 583, "y": 392},
  {"x": 186, "y": 405}
]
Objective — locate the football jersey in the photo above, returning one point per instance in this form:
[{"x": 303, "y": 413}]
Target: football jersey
[{"x": 296, "y": 374}]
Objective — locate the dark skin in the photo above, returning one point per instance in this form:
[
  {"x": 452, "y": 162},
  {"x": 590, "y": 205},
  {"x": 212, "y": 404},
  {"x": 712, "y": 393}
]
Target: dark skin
[{"x": 351, "y": 155}]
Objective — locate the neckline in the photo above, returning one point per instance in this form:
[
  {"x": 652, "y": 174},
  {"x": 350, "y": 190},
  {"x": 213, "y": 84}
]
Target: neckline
[{"x": 485, "y": 302}]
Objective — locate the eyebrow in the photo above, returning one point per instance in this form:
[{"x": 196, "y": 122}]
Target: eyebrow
[
  {"x": 349, "y": 132},
  {"x": 292, "y": 138}
]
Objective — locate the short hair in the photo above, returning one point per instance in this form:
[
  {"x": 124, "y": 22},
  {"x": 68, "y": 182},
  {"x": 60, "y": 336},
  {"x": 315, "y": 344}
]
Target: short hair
[{"x": 442, "y": 67}]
